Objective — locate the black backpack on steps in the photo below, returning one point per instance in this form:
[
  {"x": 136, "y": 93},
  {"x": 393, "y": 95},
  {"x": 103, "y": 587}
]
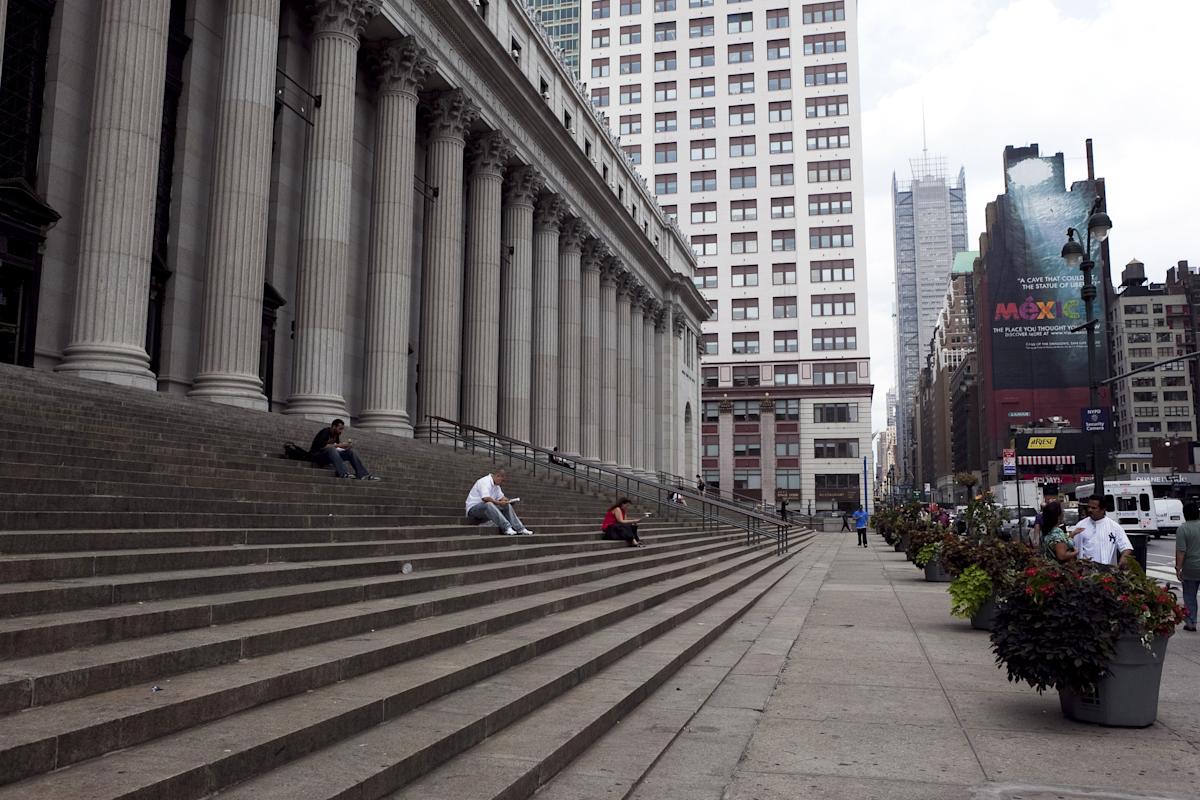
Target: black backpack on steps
[{"x": 295, "y": 452}]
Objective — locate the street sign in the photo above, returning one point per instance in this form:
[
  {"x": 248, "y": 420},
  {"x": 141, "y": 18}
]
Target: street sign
[
  {"x": 1095, "y": 420},
  {"x": 1010, "y": 462}
]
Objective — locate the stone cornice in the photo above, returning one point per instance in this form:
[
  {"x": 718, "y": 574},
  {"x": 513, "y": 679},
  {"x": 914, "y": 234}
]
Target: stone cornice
[
  {"x": 398, "y": 66},
  {"x": 341, "y": 17}
]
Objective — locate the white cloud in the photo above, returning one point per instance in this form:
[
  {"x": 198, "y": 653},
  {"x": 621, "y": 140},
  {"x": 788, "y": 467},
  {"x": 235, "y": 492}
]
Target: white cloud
[{"x": 990, "y": 73}]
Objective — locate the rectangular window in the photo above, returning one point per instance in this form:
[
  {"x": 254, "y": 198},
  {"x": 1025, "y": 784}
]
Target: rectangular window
[
  {"x": 666, "y": 184},
  {"x": 744, "y": 275},
  {"x": 825, "y": 238},
  {"x": 787, "y": 341},
  {"x": 714, "y": 314},
  {"x": 787, "y": 375},
  {"x": 741, "y": 146},
  {"x": 705, "y": 245},
  {"x": 779, "y": 49},
  {"x": 747, "y": 479},
  {"x": 825, "y": 75},
  {"x": 787, "y": 410},
  {"x": 600, "y": 68},
  {"x": 634, "y": 151},
  {"x": 699, "y": 3},
  {"x": 705, "y": 181},
  {"x": 631, "y": 94},
  {"x": 786, "y": 480},
  {"x": 783, "y": 274},
  {"x": 745, "y": 376},
  {"x": 747, "y": 410},
  {"x": 741, "y": 53},
  {"x": 835, "y": 106},
  {"x": 835, "y": 448},
  {"x": 828, "y": 171},
  {"x": 710, "y": 344},
  {"x": 664, "y": 91},
  {"x": 780, "y": 111},
  {"x": 835, "y": 339},
  {"x": 835, "y": 412},
  {"x": 787, "y": 445},
  {"x": 600, "y": 38},
  {"x": 709, "y": 377},
  {"x": 784, "y": 308},
  {"x": 702, "y": 87},
  {"x": 822, "y": 204},
  {"x": 702, "y": 149},
  {"x": 814, "y": 13},
  {"x": 664, "y": 31},
  {"x": 744, "y": 308},
  {"x": 832, "y": 305},
  {"x": 743, "y": 210},
  {"x": 601, "y": 9},
  {"x": 630, "y": 124},
  {"x": 783, "y": 241},
  {"x": 630, "y": 7},
  {"x": 779, "y": 79},
  {"x": 823, "y": 43},
  {"x": 665, "y": 62},
  {"x": 832, "y": 374},
  {"x": 783, "y": 175},
  {"x": 711, "y": 445},
  {"x": 827, "y": 138},
  {"x": 702, "y": 118},
  {"x": 743, "y": 178},
  {"x": 667, "y": 153},
  {"x": 600, "y": 97},
  {"x": 710, "y": 410},
  {"x": 740, "y": 243},
  {"x": 665, "y": 121},
  {"x": 746, "y": 445},
  {"x": 831, "y": 271},
  {"x": 781, "y": 143},
  {"x": 778, "y": 18},
  {"x": 706, "y": 278},
  {"x": 783, "y": 208},
  {"x": 699, "y": 28},
  {"x": 740, "y": 23},
  {"x": 742, "y": 83},
  {"x": 741, "y": 115},
  {"x": 631, "y": 34},
  {"x": 745, "y": 343},
  {"x": 703, "y": 213},
  {"x": 701, "y": 57}
]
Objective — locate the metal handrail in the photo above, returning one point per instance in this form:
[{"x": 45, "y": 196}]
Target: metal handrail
[
  {"x": 729, "y": 496},
  {"x": 712, "y": 513}
]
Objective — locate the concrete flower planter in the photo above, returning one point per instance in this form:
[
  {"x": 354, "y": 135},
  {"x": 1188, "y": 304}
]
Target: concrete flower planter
[
  {"x": 1127, "y": 697},
  {"x": 985, "y": 618},
  {"x": 936, "y": 573}
]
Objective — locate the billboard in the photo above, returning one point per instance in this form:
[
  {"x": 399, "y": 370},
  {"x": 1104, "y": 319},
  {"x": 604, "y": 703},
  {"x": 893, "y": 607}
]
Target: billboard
[{"x": 1033, "y": 297}]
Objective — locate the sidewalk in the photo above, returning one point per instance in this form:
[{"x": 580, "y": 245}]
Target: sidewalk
[{"x": 884, "y": 695}]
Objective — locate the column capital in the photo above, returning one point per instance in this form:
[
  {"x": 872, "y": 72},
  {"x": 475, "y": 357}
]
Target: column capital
[
  {"x": 549, "y": 212},
  {"x": 660, "y": 319},
  {"x": 488, "y": 153},
  {"x": 398, "y": 66},
  {"x": 453, "y": 113},
  {"x": 594, "y": 253},
  {"x": 623, "y": 278},
  {"x": 650, "y": 303},
  {"x": 767, "y": 405},
  {"x": 678, "y": 321},
  {"x": 523, "y": 186},
  {"x": 342, "y": 17},
  {"x": 571, "y": 235},
  {"x": 725, "y": 405}
]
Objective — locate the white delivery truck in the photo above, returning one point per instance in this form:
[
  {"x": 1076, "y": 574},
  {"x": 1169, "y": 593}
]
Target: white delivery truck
[
  {"x": 1130, "y": 502},
  {"x": 1168, "y": 515}
]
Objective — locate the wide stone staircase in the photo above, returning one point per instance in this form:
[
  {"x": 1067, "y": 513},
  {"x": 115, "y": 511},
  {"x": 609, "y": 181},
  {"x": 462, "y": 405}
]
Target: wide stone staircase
[{"x": 184, "y": 614}]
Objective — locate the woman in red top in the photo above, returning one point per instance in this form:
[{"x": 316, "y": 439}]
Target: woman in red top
[{"x": 619, "y": 525}]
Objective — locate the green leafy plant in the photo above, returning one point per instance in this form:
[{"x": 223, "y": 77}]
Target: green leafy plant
[
  {"x": 1058, "y": 625},
  {"x": 1000, "y": 560},
  {"x": 921, "y": 535},
  {"x": 969, "y": 591},
  {"x": 931, "y": 551}
]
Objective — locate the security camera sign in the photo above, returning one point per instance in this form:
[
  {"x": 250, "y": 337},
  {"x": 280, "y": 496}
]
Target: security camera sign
[{"x": 1095, "y": 420}]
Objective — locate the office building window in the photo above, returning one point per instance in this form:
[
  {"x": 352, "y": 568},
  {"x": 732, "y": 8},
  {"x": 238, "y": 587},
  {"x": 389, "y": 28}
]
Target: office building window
[
  {"x": 743, "y": 178},
  {"x": 710, "y": 410},
  {"x": 783, "y": 208},
  {"x": 831, "y": 374},
  {"x": 704, "y": 118},
  {"x": 783, "y": 274},
  {"x": 665, "y": 121},
  {"x": 702, "y": 149},
  {"x": 746, "y": 376},
  {"x": 665, "y": 62},
  {"x": 836, "y": 271},
  {"x": 740, "y": 23},
  {"x": 827, "y": 138},
  {"x": 835, "y": 106},
  {"x": 835, "y": 412},
  {"x": 783, "y": 241},
  {"x": 825, "y": 75},
  {"x": 824, "y": 43},
  {"x": 600, "y": 38},
  {"x": 710, "y": 344},
  {"x": 749, "y": 479},
  {"x": 746, "y": 410},
  {"x": 705, "y": 244},
  {"x": 823, "y": 12},
  {"x": 600, "y": 68},
  {"x": 832, "y": 305},
  {"x": 714, "y": 314},
  {"x": 745, "y": 343},
  {"x": 631, "y": 94},
  {"x": 783, "y": 175},
  {"x": 787, "y": 341},
  {"x": 702, "y": 87},
  {"x": 828, "y": 171},
  {"x": 779, "y": 49},
  {"x": 664, "y": 31},
  {"x": 600, "y": 97},
  {"x": 709, "y": 376},
  {"x": 667, "y": 183},
  {"x": 740, "y": 243},
  {"x": 787, "y": 444},
  {"x": 823, "y": 204},
  {"x": 741, "y": 53},
  {"x": 634, "y": 151},
  {"x": 741, "y": 115},
  {"x": 784, "y": 308},
  {"x": 699, "y": 28},
  {"x": 664, "y": 91},
  {"x": 711, "y": 445},
  {"x": 780, "y": 111},
  {"x": 824, "y": 238},
  {"x": 703, "y": 213},
  {"x": 706, "y": 278},
  {"x": 787, "y": 375},
  {"x": 601, "y": 9},
  {"x": 630, "y": 7},
  {"x": 835, "y": 339},
  {"x": 787, "y": 410},
  {"x": 744, "y": 275},
  {"x": 741, "y": 146},
  {"x": 741, "y": 84},
  {"x": 631, "y": 123},
  {"x": 778, "y": 18},
  {"x": 746, "y": 444},
  {"x": 743, "y": 210},
  {"x": 835, "y": 448},
  {"x": 701, "y": 57},
  {"x": 705, "y": 181},
  {"x": 781, "y": 143},
  {"x": 631, "y": 34},
  {"x": 779, "y": 79}
]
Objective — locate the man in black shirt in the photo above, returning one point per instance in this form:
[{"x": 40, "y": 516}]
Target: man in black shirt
[{"x": 328, "y": 448}]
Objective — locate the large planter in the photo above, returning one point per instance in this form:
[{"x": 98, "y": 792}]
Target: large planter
[
  {"x": 905, "y": 542},
  {"x": 936, "y": 573},
  {"x": 985, "y": 618},
  {"x": 1127, "y": 697},
  {"x": 898, "y": 546}
]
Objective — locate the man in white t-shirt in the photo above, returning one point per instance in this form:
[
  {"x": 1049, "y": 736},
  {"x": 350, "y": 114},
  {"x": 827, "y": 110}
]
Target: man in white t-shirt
[
  {"x": 1100, "y": 539},
  {"x": 486, "y": 501}
]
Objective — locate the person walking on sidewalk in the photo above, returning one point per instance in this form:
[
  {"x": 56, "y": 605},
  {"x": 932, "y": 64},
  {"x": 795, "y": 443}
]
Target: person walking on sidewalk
[
  {"x": 486, "y": 501},
  {"x": 860, "y": 525},
  {"x": 1187, "y": 560},
  {"x": 846, "y": 521},
  {"x": 328, "y": 448}
]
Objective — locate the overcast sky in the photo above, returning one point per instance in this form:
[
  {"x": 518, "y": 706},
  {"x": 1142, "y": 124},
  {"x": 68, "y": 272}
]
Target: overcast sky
[{"x": 990, "y": 73}]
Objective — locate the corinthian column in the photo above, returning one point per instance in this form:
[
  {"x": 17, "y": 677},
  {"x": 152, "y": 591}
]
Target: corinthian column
[
  {"x": 589, "y": 353},
  {"x": 317, "y": 366},
  {"x": 544, "y": 386},
  {"x": 623, "y": 375},
  {"x": 442, "y": 288},
  {"x": 608, "y": 380},
  {"x": 516, "y": 304},
  {"x": 237, "y": 227},
  {"x": 108, "y": 329},
  {"x": 636, "y": 377},
  {"x": 650, "y": 380},
  {"x": 398, "y": 69},
  {"x": 570, "y": 345},
  {"x": 481, "y": 321},
  {"x": 665, "y": 387}
]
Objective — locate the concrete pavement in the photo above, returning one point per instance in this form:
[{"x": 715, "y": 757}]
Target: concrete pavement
[{"x": 852, "y": 681}]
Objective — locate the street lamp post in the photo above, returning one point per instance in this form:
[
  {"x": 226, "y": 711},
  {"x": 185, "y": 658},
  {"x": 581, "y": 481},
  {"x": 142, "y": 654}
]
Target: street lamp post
[{"x": 1077, "y": 255}]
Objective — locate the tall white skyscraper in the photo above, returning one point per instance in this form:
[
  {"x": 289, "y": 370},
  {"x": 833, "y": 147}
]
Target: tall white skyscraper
[
  {"x": 930, "y": 226},
  {"x": 745, "y": 118}
]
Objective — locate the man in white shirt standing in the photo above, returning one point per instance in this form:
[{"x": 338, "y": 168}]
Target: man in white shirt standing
[
  {"x": 486, "y": 501},
  {"x": 1101, "y": 539}
]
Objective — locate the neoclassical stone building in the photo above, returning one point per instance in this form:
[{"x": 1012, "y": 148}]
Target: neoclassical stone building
[{"x": 380, "y": 209}]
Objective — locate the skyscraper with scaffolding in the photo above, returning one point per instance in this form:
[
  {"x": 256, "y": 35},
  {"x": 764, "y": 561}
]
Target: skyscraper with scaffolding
[{"x": 930, "y": 225}]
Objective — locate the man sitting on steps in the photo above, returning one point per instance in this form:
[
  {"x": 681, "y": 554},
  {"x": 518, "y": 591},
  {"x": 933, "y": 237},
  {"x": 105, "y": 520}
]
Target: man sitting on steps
[
  {"x": 328, "y": 448},
  {"x": 486, "y": 501}
]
